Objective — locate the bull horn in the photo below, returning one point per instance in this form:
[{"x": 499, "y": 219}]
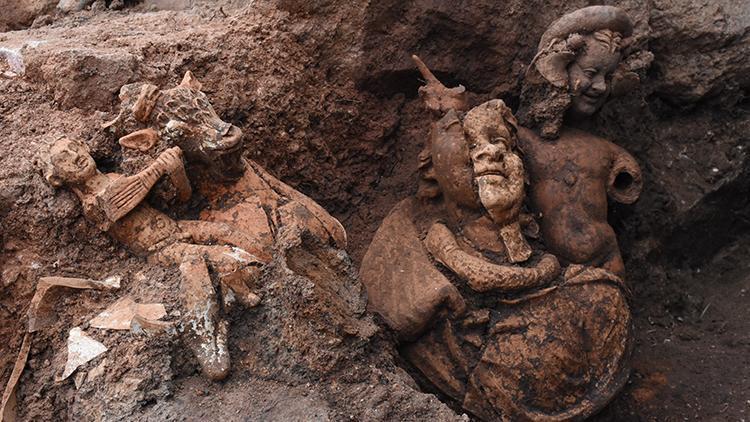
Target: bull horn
[
  {"x": 587, "y": 20},
  {"x": 190, "y": 81},
  {"x": 145, "y": 103},
  {"x": 425, "y": 71}
]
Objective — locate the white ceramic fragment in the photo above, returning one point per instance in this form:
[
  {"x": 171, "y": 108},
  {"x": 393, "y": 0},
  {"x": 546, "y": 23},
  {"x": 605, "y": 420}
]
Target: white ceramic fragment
[{"x": 81, "y": 349}]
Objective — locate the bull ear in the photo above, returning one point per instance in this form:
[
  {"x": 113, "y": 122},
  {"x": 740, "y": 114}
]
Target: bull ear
[
  {"x": 141, "y": 140},
  {"x": 189, "y": 81}
]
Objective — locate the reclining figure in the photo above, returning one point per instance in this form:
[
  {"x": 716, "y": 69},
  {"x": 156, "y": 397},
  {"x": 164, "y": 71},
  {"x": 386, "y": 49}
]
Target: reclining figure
[
  {"x": 238, "y": 192},
  {"x": 115, "y": 204}
]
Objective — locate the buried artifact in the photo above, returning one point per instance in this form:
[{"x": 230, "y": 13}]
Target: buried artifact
[
  {"x": 486, "y": 315},
  {"x": 246, "y": 209},
  {"x": 115, "y": 203},
  {"x": 583, "y": 57},
  {"x": 239, "y": 192}
]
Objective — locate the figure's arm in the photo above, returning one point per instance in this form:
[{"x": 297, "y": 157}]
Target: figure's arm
[
  {"x": 624, "y": 183},
  {"x": 403, "y": 285},
  {"x": 484, "y": 276},
  {"x": 209, "y": 232},
  {"x": 125, "y": 193},
  {"x": 179, "y": 179}
]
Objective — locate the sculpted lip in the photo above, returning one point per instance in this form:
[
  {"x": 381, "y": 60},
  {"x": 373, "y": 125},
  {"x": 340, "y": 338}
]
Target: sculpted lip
[
  {"x": 489, "y": 169},
  {"x": 591, "y": 98},
  {"x": 80, "y": 161}
]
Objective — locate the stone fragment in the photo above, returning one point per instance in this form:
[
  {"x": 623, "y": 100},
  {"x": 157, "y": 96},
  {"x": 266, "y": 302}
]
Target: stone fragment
[
  {"x": 67, "y": 6},
  {"x": 120, "y": 315},
  {"x": 39, "y": 309},
  {"x": 11, "y": 63},
  {"x": 81, "y": 350},
  {"x": 8, "y": 404}
]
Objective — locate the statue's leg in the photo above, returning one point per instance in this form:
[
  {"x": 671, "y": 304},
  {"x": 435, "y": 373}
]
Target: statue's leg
[
  {"x": 205, "y": 330},
  {"x": 237, "y": 269}
]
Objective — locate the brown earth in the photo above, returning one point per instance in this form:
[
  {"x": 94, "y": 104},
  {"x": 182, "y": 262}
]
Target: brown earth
[{"x": 326, "y": 96}]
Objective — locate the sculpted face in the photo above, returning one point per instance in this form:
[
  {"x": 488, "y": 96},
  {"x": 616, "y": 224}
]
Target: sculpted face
[
  {"x": 589, "y": 75},
  {"x": 498, "y": 170},
  {"x": 71, "y": 162}
]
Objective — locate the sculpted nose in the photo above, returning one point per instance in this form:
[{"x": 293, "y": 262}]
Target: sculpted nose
[
  {"x": 230, "y": 138},
  {"x": 491, "y": 152},
  {"x": 599, "y": 85}
]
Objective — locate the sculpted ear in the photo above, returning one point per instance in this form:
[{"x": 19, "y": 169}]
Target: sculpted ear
[
  {"x": 141, "y": 140},
  {"x": 552, "y": 62},
  {"x": 190, "y": 81}
]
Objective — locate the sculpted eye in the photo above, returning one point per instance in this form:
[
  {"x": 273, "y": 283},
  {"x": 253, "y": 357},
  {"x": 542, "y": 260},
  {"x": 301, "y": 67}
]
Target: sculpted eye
[
  {"x": 590, "y": 73},
  {"x": 498, "y": 140}
]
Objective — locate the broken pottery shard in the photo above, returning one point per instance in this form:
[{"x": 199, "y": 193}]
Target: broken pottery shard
[
  {"x": 120, "y": 315},
  {"x": 39, "y": 312},
  {"x": 141, "y": 325},
  {"x": 8, "y": 405},
  {"x": 81, "y": 349},
  {"x": 11, "y": 64}
]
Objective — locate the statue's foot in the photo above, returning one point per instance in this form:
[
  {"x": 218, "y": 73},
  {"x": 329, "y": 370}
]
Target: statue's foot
[
  {"x": 208, "y": 341},
  {"x": 234, "y": 288}
]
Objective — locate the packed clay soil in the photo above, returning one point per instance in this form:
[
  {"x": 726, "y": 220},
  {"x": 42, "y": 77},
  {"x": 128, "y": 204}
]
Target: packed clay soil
[{"x": 326, "y": 96}]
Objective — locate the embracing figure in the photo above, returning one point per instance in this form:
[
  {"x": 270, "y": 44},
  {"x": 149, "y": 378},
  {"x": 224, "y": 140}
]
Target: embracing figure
[{"x": 514, "y": 320}]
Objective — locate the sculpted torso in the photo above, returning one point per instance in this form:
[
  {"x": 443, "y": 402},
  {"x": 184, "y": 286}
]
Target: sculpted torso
[
  {"x": 258, "y": 204},
  {"x": 570, "y": 179}
]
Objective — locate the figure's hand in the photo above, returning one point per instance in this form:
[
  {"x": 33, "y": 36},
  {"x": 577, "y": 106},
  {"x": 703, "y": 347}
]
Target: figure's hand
[
  {"x": 436, "y": 96},
  {"x": 171, "y": 159}
]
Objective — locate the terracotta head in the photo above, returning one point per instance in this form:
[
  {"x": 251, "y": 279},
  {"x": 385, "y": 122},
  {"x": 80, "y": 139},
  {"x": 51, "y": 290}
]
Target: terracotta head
[
  {"x": 590, "y": 74},
  {"x": 472, "y": 162},
  {"x": 498, "y": 170},
  {"x": 181, "y": 116},
  {"x": 68, "y": 163},
  {"x": 577, "y": 60}
]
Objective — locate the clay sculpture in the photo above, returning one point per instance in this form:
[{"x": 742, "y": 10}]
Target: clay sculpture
[
  {"x": 239, "y": 192},
  {"x": 247, "y": 209},
  {"x": 572, "y": 172},
  {"x": 483, "y": 312},
  {"x": 115, "y": 203}
]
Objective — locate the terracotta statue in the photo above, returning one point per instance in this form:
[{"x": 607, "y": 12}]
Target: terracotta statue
[
  {"x": 115, "y": 203},
  {"x": 482, "y": 311},
  {"x": 582, "y": 57},
  {"x": 239, "y": 192}
]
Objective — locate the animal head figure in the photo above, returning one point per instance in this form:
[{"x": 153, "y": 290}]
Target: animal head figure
[{"x": 154, "y": 120}]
